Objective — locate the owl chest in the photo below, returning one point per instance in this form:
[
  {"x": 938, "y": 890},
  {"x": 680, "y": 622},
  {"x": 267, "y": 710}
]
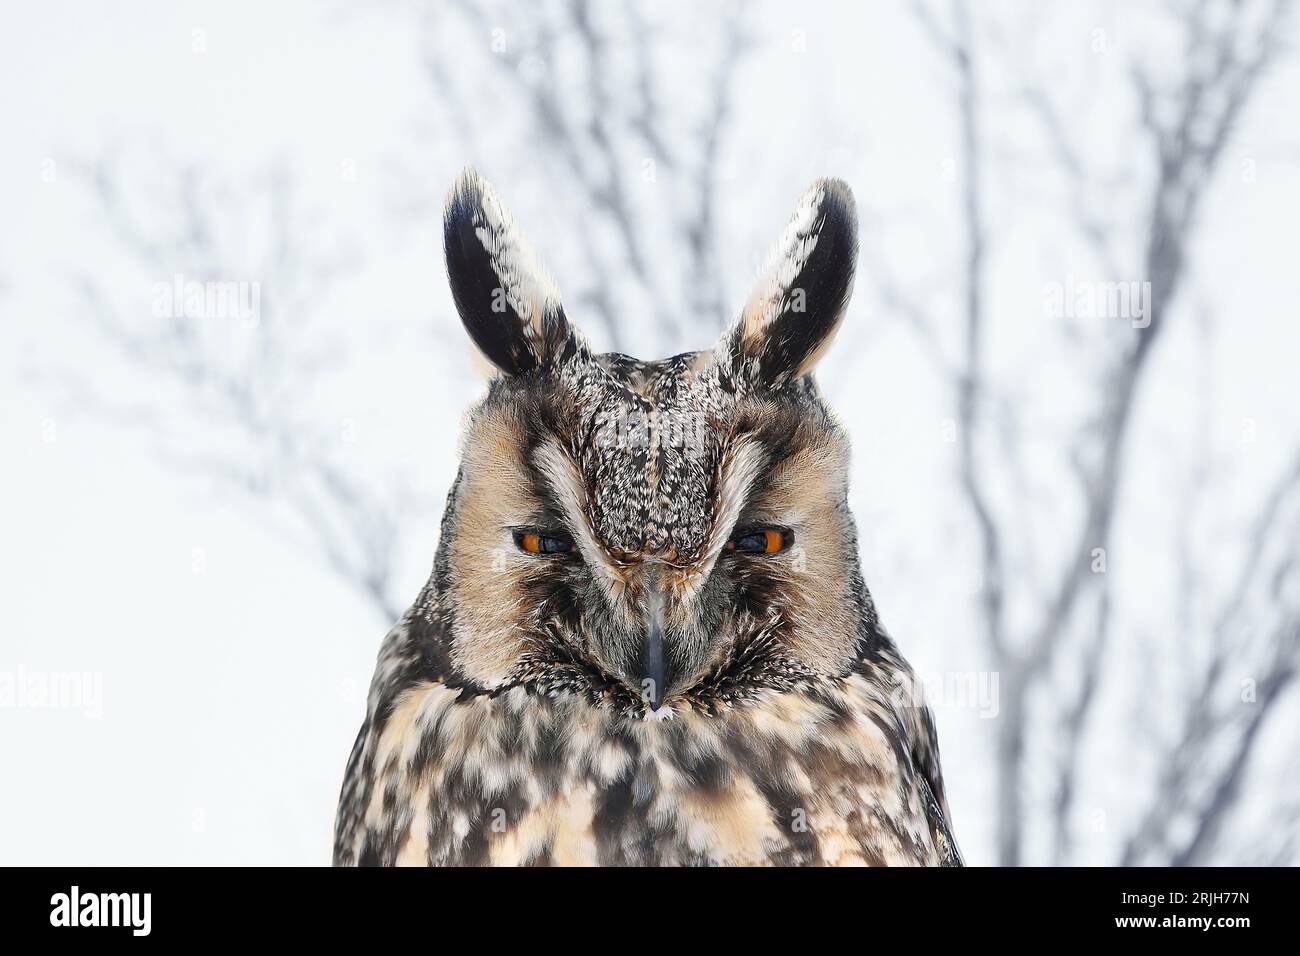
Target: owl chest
[{"x": 517, "y": 789}]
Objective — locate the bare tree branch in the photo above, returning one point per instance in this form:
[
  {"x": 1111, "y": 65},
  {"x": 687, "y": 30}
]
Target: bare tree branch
[
  {"x": 290, "y": 462},
  {"x": 1186, "y": 124}
]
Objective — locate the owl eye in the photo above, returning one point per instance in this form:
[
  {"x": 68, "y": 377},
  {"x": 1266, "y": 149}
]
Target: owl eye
[
  {"x": 548, "y": 542},
  {"x": 763, "y": 541}
]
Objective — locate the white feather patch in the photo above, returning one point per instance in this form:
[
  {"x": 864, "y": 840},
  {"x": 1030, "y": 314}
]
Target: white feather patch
[
  {"x": 771, "y": 295},
  {"x": 527, "y": 286}
]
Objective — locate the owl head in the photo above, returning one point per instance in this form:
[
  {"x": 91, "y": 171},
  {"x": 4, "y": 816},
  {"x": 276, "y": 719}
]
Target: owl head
[{"x": 647, "y": 532}]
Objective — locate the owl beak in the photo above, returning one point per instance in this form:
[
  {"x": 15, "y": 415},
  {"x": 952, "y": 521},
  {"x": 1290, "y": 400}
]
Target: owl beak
[{"x": 656, "y": 670}]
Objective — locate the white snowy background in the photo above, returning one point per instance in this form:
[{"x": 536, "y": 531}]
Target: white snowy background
[{"x": 208, "y": 524}]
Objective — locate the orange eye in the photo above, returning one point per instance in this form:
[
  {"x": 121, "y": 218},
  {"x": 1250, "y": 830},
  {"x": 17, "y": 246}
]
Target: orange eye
[
  {"x": 766, "y": 541},
  {"x": 534, "y": 542}
]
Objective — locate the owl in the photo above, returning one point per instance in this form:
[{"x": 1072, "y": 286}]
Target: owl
[{"x": 646, "y": 639}]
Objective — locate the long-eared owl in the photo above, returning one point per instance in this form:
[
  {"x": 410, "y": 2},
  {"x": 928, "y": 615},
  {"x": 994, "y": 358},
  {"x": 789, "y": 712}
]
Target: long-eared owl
[{"x": 646, "y": 639}]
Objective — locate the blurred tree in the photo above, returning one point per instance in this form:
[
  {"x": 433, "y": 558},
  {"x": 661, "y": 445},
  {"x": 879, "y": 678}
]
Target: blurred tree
[
  {"x": 1051, "y": 669},
  {"x": 576, "y": 92},
  {"x": 240, "y": 385}
]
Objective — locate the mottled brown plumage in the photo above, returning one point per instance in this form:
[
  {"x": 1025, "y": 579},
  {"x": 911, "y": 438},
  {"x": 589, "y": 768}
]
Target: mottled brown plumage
[{"x": 691, "y": 671}]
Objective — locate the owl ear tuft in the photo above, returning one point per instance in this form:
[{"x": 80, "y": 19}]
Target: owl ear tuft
[
  {"x": 506, "y": 299},
  {"x": 800, "y": 298}
]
